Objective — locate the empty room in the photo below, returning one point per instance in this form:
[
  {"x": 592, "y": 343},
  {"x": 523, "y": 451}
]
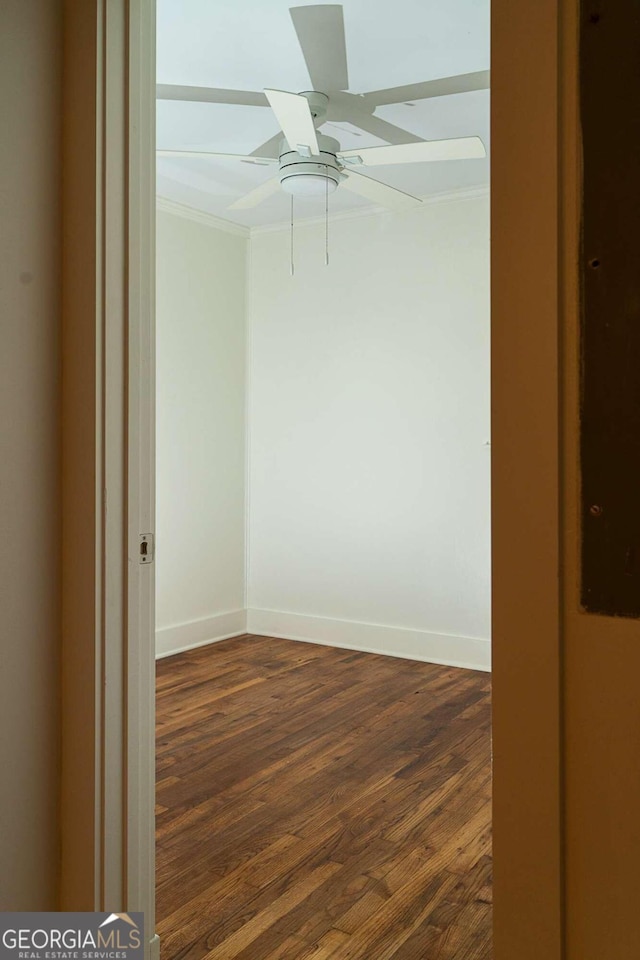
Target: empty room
[{"x": 323, "y": 481}]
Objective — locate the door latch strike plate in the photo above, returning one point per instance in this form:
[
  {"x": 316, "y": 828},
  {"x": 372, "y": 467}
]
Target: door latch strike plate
[{"x": 146, "y": 548}]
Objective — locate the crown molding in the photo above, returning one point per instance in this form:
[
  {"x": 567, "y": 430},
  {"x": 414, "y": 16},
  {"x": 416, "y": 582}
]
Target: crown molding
[
  {"x": 201, "y": 216},
  {"x": 219, "y": 223},
  {"x": 446, "y": 196}
]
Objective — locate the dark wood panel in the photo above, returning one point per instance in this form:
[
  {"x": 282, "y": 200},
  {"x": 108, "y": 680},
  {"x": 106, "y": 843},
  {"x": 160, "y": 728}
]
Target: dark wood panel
[
  {"x": 320, "y": 803},
  {"x": 610, "y": 397}
]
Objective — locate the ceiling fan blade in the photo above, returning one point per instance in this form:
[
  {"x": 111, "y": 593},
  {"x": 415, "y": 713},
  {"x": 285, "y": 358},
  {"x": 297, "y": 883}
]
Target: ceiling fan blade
[
  {"x": 271, "y": 148},
  {"x": 382, "y": 128},
  {"x": 295, "y": 118},
  {"x": 204, "y": 154},
  {"x": 320, "y": 32},
  {"x": 463, "y": 83},
  {"x": 462, "y": 148},
  {"x": 245, "y": 98},
  {"x": 378, "y": 192},
  {"x": 254, "y": 197}
]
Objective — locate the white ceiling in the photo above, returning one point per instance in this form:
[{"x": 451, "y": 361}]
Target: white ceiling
[{"x": 251, "y": 44}]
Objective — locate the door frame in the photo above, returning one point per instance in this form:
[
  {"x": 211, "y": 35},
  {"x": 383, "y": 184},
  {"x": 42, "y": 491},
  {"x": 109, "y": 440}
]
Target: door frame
[
  {"x": 535, "y": 180},
  {"x": 108, "y": 459},
  {"x": 107, "y": 797}
]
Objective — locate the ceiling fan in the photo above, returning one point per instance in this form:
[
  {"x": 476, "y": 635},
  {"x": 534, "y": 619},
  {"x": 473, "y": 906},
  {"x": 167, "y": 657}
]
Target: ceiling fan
[{"x": 312, "y": 163}]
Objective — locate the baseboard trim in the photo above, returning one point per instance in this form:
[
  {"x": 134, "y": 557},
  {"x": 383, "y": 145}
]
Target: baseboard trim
[
  {"x": 154, "y": 947},
  {"x": 451, "y": 651},
  {"x": 198, "y": 633}
]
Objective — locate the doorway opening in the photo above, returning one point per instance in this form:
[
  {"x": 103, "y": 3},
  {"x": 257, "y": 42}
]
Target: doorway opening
[{"x": 323, "y": 474}]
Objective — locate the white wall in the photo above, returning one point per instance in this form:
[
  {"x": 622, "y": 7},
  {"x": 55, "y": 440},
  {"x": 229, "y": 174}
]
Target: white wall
[
  {"x": 369, "y": 418},
  {"x": 200, "y": 563},
  {"x": 30, "y": 108}
]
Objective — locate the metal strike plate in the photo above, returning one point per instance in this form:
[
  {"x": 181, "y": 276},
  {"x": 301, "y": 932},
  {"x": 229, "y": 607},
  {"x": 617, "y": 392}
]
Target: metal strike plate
[{"x": 147, "y": 548}]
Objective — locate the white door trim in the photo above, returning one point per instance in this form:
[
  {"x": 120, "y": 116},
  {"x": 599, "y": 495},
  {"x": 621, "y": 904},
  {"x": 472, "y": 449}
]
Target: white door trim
[
  {"x": 108, "y": 457},
  {"x": 140, "y": 661}
]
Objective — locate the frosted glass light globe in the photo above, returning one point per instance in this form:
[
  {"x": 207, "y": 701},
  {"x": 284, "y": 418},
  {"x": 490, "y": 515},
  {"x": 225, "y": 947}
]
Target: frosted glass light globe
[{"x": 308, "y": 185}]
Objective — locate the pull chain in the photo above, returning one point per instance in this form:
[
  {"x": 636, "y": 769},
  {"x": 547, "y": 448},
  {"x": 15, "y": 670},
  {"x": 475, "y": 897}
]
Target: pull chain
[
  {"x": 326, "y": 217},
  {"x": 291, "y": 265}
]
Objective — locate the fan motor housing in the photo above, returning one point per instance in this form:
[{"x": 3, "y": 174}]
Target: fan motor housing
[{"x": 312, "y": 176}]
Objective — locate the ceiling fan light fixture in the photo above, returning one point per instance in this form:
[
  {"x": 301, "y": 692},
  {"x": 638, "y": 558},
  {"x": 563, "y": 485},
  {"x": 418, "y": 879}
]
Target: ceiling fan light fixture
[
  {"x": 311, "y": 176},
  {"x": 308, "y": 184}
]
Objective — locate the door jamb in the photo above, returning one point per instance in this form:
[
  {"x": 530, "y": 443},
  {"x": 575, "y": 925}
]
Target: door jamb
[
  {"x": 108, "y": 655},
  {"x": 531, "y": 64}
]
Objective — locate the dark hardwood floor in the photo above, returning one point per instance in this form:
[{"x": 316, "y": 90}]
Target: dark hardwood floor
[{"x": 320, "y": 803}]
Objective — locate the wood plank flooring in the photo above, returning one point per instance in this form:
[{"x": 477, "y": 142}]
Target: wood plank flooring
[{"x": 318, "y": 803}]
